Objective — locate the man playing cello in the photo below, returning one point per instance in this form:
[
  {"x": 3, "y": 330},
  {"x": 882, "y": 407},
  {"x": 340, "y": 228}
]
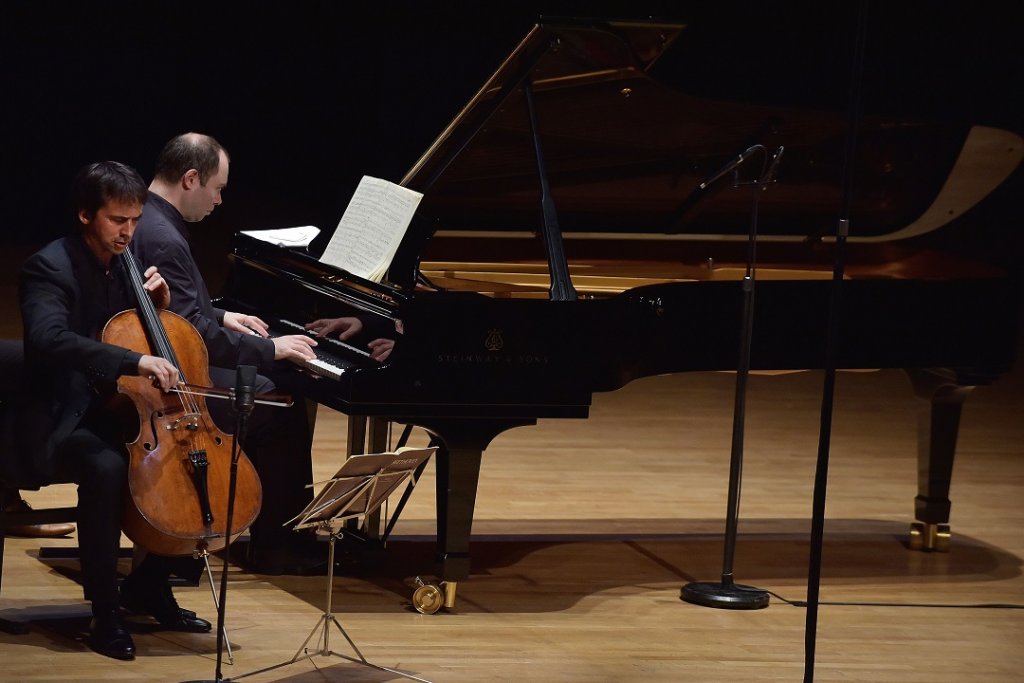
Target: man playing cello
[{"x": 68, "y": 291}]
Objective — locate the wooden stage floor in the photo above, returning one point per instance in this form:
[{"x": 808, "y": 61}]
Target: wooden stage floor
[{"x": 585, "y": 531}]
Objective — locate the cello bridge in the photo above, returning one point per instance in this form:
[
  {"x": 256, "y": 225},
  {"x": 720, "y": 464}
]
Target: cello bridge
[{"x": 189, "y": 421}]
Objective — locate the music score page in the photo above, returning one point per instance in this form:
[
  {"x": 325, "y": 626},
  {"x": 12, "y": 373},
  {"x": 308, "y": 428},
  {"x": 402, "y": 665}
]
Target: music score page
[{"x": 372, "y": 227}]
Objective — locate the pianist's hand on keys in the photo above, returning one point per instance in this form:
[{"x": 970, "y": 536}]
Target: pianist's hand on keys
[
  {"x": 294, "y": 347},
  {"x": 333, "y": 356}
]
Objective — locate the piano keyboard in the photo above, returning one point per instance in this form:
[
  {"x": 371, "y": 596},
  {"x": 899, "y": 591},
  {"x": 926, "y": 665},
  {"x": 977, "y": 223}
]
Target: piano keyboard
[{"x": 333, "y": 356}]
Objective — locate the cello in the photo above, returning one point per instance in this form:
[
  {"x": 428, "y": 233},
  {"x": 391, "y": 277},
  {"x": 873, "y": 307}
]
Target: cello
[{"x": 179, "y": 460}]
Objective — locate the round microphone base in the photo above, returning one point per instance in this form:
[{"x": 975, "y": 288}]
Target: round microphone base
[{"x": 724, "y": 596}]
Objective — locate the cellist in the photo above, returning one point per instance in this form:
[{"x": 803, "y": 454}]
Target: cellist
[{"x": 68, "y": 290}]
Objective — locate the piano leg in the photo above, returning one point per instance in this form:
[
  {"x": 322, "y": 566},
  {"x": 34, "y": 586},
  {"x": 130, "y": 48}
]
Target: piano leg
[
  {"x": 938, "y": 425},
  {"x": 461, "y": 443},
  {"x": 458, "y": 473}
]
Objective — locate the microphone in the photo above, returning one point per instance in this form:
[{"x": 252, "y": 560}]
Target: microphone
[
  {"x": 245, "y": 390},
  {"x": 773, "y": 168},
  {"x": 731, "y": 165}
]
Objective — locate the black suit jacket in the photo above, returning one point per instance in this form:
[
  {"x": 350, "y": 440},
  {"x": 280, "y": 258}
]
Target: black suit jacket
[
  {"x": 66, "y": 296},
  {"x": 161, "y": 240}
]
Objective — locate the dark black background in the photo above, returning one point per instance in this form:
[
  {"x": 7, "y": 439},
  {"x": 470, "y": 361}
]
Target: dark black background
[{"x": 308, "y": 96}]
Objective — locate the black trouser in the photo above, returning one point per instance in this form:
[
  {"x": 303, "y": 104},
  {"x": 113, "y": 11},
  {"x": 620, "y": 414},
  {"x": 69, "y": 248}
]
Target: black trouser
[
  {"x": 278, "y": 442},
  {"x": 100, "y": 469}
]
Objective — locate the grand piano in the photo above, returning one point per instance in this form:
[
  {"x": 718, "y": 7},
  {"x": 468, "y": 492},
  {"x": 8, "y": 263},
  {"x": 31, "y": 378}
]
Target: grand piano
[{"x": 565, "y": 246}]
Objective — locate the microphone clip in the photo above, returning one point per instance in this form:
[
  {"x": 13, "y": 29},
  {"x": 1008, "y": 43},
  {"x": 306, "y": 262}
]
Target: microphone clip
[
  {"x": 731, "y": 165},
  {"x": 768, "y": 177}
]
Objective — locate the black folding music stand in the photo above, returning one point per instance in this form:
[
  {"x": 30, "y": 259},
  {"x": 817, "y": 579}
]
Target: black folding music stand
[{"x": 358, "y": 489}]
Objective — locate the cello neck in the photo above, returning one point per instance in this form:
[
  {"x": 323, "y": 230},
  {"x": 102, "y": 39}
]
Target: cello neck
[{"x": 148, "y": 313}]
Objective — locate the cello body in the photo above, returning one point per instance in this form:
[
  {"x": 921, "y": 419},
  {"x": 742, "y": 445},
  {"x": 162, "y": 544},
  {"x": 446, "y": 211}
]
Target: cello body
[{"x": 179, "y": 461}]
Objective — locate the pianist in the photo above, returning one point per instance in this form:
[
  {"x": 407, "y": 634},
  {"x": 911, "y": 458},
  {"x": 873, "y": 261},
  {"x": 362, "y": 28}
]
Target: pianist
[{"x": 191, "y": 173}]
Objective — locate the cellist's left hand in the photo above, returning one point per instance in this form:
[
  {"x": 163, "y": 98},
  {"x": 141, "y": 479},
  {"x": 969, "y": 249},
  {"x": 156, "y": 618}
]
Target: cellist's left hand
[
  {"x": 157, "y": 288},
  {"x": 162, "y": 372}
]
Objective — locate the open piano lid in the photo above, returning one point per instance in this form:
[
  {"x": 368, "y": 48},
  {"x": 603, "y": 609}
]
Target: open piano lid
[{"x": 625, "y": 154}]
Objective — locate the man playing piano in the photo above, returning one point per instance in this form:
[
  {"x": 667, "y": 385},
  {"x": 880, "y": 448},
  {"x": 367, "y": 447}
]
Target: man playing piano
[{"x": 191, "y": 172}]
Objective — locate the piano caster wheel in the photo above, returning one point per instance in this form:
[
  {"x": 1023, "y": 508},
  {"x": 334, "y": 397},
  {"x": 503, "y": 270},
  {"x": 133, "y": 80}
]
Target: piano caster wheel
[
  {"x": 427, "y": 598},
  {"x": 929, "y": 537}
]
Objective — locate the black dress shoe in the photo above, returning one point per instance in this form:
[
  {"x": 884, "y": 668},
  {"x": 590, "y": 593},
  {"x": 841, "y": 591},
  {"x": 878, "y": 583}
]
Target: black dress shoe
[
  {"x": 158, "y": 601},
  {"x": 108, "y": 636}
]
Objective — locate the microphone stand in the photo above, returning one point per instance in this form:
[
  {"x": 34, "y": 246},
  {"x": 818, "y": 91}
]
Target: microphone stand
[
  {"x": 814, "y": 559},
  {"x": 242, "y": 403},
  {"x": 726, "y": 594}
]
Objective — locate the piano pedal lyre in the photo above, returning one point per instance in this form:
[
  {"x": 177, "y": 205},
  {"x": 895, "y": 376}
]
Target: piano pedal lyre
[
  {"x": 929, "y": 537},
  {"x": 429, "y": 597}
]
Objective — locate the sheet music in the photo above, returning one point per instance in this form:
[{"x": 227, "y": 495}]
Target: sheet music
[
  {"x": 361, "y": 485},
  {"x": 371, "y": 229},
  {"x": 299, "y": 236}
]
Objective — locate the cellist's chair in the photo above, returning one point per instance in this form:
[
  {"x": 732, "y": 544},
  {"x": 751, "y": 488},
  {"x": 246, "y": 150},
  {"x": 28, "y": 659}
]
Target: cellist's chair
[
  {"x": 14, "y": 373},
  {"x": 13, "y": 519}
]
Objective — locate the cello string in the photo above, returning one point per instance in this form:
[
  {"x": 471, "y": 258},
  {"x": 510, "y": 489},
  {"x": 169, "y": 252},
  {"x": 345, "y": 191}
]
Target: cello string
[
  {"x": 159, "y": 339},
  {"x": 174, "y": 444},
  {"x": 150, "y": 314},
  {"x": 154, "y": 328}
]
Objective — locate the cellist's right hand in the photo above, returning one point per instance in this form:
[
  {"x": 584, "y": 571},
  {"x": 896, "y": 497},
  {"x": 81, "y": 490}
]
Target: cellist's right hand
[{"x": 160, "y": 370}]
